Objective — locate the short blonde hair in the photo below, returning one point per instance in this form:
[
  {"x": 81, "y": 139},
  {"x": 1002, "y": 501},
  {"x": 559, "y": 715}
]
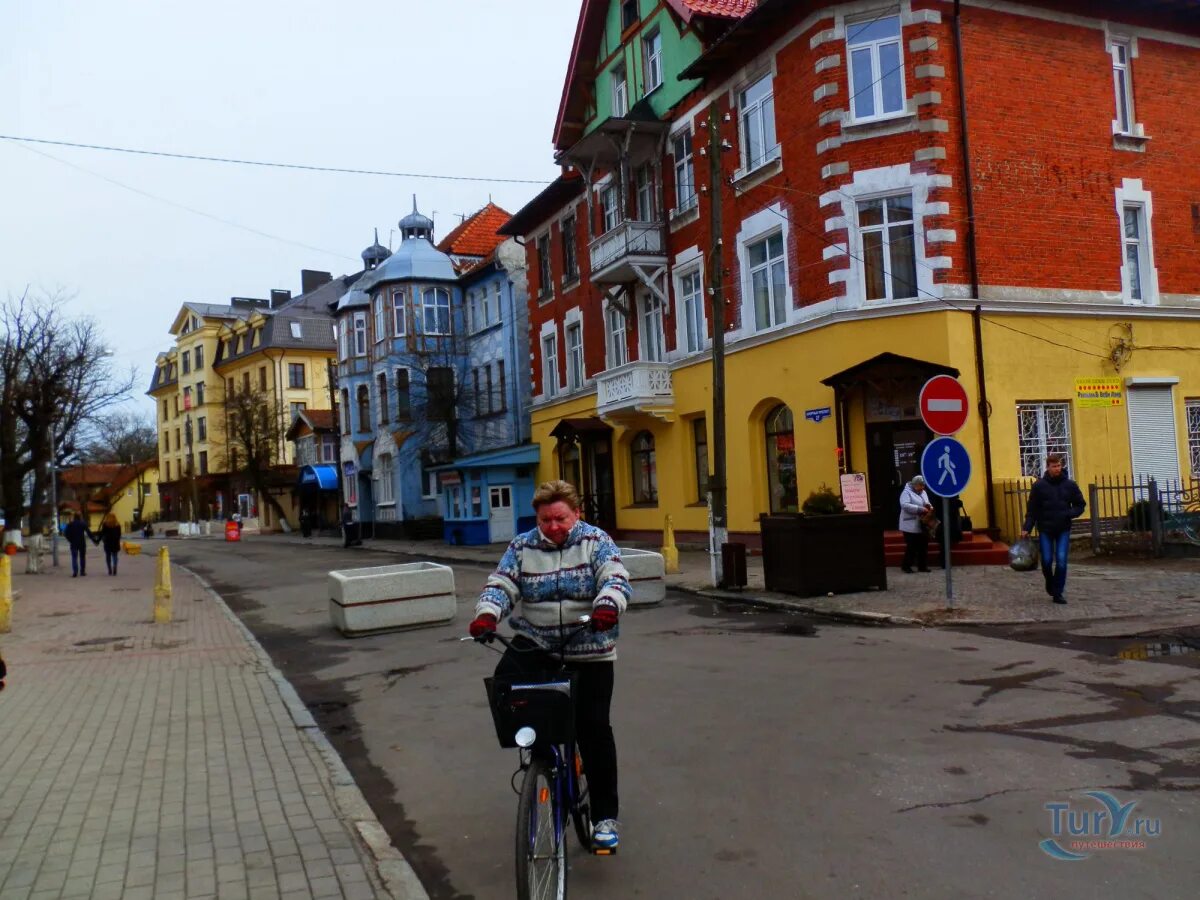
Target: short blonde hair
[{"x": 554, "y": 491}]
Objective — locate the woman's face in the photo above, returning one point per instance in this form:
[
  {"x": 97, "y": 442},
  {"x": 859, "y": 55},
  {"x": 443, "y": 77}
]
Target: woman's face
[
  {"x": 919, "y": 488},
  {"x": 556, "y": 520}
]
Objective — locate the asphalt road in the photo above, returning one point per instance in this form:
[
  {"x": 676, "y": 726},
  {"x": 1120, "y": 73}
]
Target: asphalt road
[{"x": 761, "y": 755}]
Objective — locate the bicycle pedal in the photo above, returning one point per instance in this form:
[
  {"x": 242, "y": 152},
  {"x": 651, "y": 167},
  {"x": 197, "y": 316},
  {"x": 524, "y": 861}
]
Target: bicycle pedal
[{"x": 604, "y": 851}]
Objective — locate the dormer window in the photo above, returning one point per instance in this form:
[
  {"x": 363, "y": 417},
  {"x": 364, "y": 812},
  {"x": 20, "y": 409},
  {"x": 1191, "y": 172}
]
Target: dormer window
[{"x": 296, "y": 331}]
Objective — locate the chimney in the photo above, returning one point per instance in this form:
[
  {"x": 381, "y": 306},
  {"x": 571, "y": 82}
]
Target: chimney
[
  {"x": 278, "y": 298},
  {"x": 310, "y": 280}
]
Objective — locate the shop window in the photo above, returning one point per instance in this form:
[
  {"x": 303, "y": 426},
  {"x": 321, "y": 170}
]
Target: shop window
[
  {"x": 645, "y": 472},
  {"x": 781, "y": 461}
]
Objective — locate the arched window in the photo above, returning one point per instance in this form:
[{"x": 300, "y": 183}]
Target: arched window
[
  {"x": 364, "y": 408},
  {"x": 645, "y": 472},
  {"x": 781, "y": 461}
]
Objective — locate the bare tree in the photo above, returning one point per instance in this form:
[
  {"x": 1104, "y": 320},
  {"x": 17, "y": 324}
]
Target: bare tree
[
  {"x": 124, "y": 437},
  {"x": 54, "y": 378},
  {"x": 254, "y": 436}
]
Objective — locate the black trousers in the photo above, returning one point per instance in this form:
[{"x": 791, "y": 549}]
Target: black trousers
[
  {"x": 916, "y": 547},
  {"x": 593, "y": 733}
]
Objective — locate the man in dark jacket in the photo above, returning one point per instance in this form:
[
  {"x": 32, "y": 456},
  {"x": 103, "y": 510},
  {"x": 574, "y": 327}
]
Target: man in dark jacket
[
  {"x": 77, "y": 535},
  {"x": 1053, "y": 502}
]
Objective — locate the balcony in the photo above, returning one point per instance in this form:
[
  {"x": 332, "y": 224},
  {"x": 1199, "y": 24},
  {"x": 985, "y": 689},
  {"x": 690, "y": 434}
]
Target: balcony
[
  {"x": 635, "y": 389},
  {"x": 617, "y": 254}
]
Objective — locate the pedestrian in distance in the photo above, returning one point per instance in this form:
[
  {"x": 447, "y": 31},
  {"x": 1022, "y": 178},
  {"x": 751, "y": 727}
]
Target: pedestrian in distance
[
  {"x": 77, "y": 535},
  {"x": 350, "y": 527},
  {"x": 110, "y": 535},
  {"x": 914, "y": 509},
  {"x": 1054, "y": 502},
  {"x": 557, "y": 573}
]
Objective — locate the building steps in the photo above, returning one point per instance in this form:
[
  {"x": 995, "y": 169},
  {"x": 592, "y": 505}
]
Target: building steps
[{"x": 975, "y": 549}]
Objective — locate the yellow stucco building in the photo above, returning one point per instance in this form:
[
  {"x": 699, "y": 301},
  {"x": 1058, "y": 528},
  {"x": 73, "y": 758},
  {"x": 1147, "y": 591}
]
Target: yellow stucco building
[{"x": 276, "y": 350}]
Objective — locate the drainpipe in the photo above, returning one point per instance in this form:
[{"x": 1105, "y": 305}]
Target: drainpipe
[{"x": 973, "y": 260}]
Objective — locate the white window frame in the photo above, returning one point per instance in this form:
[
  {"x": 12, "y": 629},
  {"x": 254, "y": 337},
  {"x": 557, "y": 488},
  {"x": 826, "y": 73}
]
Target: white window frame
[
  {"x": 485, "y": 307},
  {"x": 380, "y": 317},
  {"x": 1121, "y": 50},
  {"x": 399, "y": 313},
  {"x": 297, "y": 334},
  {"x": 551, "y": 386},
  {"x": 620, "y": 89},
  {"x": 610, "y": 207},
  {"x": 686, "y": 196},
  {"x": 692, "y": 336},
  {"x": 755, "y": 116},
  {"x": 360, "y": 334},
  {"x": 1191, "y": 417},
  {"x": 616, "y": 346},
  {"x": 435, "y": 294},
  {"x": 776, "y": 319},
  {"x": 1132, "y": 194},
  {"x": 652, "y": 339},
  {"x": 1032, "y": 447},
  {"x": 877, "y": 74},
  {"x": 387, "y": 484},
  {"x": 885, "y": 229},
  {"x": 652, "y": 52},
  {"x": 645, "y": 192},
  {"x": 576, "y": 373}
]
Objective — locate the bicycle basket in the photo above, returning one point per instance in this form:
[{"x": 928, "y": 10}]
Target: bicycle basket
[{"x": 545, "y": 705}]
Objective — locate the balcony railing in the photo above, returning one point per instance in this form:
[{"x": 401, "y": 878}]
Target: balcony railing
[
  {"x": 615, "y": 249},
  {"x": 636, "y": 388}
]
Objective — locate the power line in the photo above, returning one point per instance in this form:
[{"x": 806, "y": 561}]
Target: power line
[
  {"x": 269, "y": 165},
  {"x": 192, "y": 210}
]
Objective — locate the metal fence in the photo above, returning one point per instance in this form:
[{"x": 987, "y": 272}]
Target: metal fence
[{"x": 1126, "y": 514}]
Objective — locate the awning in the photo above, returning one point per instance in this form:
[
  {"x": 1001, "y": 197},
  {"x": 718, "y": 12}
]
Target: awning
[
  {"x": 853, "y": 375},
  {"x": 572, "y": 428},
  {"x": 324, "y": 477},
  {"x": 525, "y": 455}
]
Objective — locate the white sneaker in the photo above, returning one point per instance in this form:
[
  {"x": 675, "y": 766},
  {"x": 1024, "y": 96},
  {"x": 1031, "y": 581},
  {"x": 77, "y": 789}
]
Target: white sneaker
[{"x": 604, "y": 835}]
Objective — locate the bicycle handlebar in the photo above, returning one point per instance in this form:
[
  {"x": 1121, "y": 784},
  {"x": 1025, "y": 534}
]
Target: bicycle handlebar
[{"x": 488, "y": 636}]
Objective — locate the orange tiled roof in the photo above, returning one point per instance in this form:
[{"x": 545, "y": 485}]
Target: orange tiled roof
[
  {"x": 320, "y": 418},
  {"x": 476, "y": 235},
  {"x": 734, "y": 9}
]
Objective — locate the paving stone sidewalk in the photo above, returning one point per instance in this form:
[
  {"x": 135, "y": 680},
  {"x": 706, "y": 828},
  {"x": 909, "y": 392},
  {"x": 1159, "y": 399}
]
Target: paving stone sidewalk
[
  {"x": 1165, "y": 590},
  {"x": 168, "y": 761}
]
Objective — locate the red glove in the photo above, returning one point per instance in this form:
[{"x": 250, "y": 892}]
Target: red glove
[
  {"x": 484, "y": 623},
  {"x": 604, "y": 617}
]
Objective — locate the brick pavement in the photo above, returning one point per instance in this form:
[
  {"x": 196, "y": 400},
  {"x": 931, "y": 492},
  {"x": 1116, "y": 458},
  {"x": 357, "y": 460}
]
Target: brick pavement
[{"x": 168, "y": 761}]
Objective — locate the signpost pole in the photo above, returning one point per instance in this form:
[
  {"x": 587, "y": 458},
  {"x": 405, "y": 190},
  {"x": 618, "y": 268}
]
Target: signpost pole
[{"x": 946, "y": 552}]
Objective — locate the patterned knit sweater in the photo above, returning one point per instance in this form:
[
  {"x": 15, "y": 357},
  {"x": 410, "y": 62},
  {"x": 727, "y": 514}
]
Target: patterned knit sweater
[{"x": 555, "y": 584}]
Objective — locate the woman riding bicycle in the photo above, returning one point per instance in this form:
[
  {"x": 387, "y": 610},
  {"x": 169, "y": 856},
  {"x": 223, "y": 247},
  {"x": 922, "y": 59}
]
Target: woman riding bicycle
[{"x": 562, "y": 570}]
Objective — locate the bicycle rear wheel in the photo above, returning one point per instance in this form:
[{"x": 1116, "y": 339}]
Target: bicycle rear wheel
[{"x": 541, "y": 838}]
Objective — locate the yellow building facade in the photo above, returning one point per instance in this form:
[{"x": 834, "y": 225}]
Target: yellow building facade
[
  {"x": 280, "y": 353},
  {"x": 868, "y": 421}
]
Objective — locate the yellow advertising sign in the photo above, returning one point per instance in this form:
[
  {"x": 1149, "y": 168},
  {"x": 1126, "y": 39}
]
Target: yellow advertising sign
[{"x": 1099, "y": 393}]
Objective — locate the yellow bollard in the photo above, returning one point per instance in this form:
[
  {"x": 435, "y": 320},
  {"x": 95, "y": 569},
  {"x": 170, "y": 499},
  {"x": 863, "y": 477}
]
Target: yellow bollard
[
  {"x": 5, "y": 594},
  {"x": 669, "y": 551},
  {"x": 162, "y": 588}
]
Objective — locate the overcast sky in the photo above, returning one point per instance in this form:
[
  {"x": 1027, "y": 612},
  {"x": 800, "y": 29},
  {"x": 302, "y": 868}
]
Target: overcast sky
[{"x": 456, "y": 87}]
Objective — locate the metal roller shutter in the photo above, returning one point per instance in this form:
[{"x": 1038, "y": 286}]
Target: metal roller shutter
[{"x": 1152, "y": 433}]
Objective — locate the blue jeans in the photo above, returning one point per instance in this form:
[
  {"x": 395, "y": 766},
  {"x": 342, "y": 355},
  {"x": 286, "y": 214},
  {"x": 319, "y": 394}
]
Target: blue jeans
[
  {"x": 1054, "y": 549},
  {"x": 79, "y": 560}
]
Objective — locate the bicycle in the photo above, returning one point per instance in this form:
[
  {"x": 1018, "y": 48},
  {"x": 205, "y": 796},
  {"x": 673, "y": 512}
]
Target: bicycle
[{"x": 537, "y": 716}]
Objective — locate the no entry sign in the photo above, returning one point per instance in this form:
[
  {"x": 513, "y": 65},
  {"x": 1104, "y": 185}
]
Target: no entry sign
[{"x": 943, "y": 404}]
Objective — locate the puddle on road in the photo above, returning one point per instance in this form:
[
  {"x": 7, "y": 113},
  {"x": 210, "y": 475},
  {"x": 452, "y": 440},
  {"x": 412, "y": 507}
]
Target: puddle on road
[{"x": 1180, "y": 647}]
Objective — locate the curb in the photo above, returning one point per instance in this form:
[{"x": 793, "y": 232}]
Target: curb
[{"x": 398, "y": 877}]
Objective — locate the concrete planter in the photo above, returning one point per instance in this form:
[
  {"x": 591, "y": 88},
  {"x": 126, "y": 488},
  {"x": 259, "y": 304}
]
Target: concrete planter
[
  {"x": 647, "y": 575},
  {"x": 387, "y": 598}
]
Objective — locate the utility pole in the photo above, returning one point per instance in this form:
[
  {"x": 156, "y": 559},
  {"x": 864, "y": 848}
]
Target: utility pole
[
  {"x": 717, "y": 504},
  {"x": 187, "y": 430}
]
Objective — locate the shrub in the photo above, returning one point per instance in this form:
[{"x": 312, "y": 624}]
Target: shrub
[
  {"x": 822, "y": 502},
  {"x": 1139, "y": 515}
]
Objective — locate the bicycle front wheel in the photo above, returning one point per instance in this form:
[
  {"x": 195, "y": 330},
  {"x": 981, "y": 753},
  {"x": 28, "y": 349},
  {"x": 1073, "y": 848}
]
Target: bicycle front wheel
[{"x": 541, "y": 838}]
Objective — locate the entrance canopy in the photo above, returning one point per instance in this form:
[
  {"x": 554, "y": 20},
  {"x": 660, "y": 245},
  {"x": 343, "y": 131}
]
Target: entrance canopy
[
  {"x": 856, "y": 375},
  {"x": 323, "y": 477},
  {"x": 569, "y": 429},
  {"x": 526, "y": 455}
]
